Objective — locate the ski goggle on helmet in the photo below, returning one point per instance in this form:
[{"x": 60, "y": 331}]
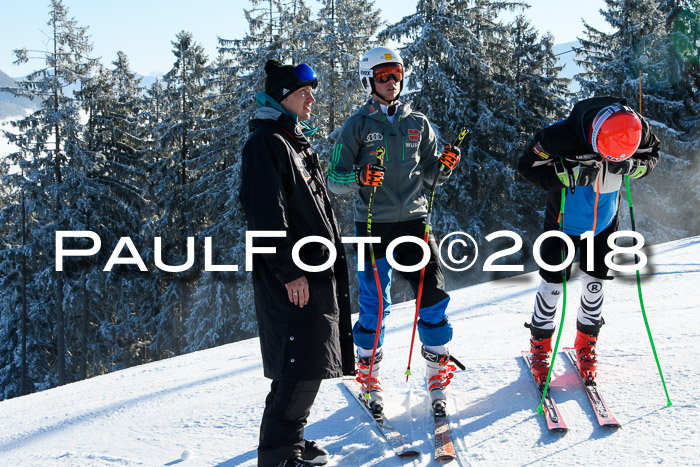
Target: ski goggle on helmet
[
  {"x": 306, "y": 75},
  {"x": 384, "y": 73},
  {"x": 616, "y": 132}
]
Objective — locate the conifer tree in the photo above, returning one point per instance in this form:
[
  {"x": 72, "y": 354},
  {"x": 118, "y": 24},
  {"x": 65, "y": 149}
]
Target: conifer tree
[
  {"x": 344, "y": 33},
  {"x": 219, "y": 312},
  {"x": 14, "y": 273},
  {"x": 111, "y": 317},
  {"x": 224, "y": 300},
  {"x": 462, "y": 74},
  {"x": 183, "y": 138},
  {"x": 49, "y": 140},
  {"x": 537, "y": 97},
  {"x": 648, "y": 59}
]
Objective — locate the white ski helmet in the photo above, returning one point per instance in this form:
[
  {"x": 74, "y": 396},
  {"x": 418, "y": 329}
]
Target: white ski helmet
[{"x": 374, "y": 57}]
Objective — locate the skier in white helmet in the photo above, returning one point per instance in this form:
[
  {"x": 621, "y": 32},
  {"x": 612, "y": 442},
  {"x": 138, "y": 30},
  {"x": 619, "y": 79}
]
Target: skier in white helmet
[{"x": 389, "y": 152}]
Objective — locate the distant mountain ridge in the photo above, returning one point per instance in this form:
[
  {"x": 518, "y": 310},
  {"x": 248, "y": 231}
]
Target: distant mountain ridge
[
  {"x": 13, "y": 107},
  {"x": 565, "y": 56},
  {"x": 10, "y": 105}
]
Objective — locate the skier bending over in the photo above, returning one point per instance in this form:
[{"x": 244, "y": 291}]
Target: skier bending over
[
  {"x": 588, "y": 153},
  {"x": 389, "y": 151}
]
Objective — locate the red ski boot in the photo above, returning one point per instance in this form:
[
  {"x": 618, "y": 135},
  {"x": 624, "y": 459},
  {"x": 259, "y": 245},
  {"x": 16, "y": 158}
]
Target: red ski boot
[
  {"x": 373, "y": 387},
  {"x": 439, "y": 370},
  {"x": 585, "y": 352},
  {"x": 541, "y": 350}
]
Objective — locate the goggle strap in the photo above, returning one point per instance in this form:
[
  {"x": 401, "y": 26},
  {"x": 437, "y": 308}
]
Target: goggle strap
[{"x": 600, "y": 118}]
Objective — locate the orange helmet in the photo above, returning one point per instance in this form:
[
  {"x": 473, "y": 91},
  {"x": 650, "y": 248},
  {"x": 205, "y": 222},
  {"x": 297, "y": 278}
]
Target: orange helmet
[{"x": 616, "y": 132}]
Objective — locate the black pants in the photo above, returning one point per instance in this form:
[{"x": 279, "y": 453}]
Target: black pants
[
  {"x": 551, "y": 253},
  {"x": 287, "y": 408}
]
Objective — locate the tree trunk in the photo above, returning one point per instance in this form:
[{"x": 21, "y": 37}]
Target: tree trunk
[{"x": 24, "y": 371}]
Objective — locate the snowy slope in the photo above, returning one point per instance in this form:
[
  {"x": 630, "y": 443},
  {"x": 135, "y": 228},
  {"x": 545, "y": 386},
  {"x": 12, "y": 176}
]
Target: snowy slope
[{"x": 204, "y": 408}]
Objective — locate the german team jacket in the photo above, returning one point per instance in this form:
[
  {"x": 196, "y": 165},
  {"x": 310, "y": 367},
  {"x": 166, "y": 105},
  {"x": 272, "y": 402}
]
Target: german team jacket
[{"x": 410, "y": 154}]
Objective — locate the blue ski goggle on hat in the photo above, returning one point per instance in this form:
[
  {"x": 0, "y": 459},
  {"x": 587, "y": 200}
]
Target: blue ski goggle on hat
[{"x": 306, "y": 75}]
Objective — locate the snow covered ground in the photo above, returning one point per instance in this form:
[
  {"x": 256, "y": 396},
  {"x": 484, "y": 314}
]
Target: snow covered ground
[{"x": 204, "y": 408}]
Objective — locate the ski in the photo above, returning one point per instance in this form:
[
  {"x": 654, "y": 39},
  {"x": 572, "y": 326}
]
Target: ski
[
  {"x": 555, "y": 422},
  {"x": 442, "y": 435},
  {"x": 444, "y": 449},
  {"x": 397, "y": 442},
  {"x": 602, "y": 412}
]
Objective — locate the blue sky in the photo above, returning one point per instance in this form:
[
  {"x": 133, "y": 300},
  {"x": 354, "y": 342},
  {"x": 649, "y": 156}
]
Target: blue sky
[{"x": 144, "y": 29}]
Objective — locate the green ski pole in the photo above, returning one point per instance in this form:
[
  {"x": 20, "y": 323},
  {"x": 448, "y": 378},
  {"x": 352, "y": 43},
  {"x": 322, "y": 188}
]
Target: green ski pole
[
  {"x": 641, "y": 300},
  {"x": 540, "y": 409}
]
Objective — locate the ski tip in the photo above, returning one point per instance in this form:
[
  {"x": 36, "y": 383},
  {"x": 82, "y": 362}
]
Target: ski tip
[{"x": 611, "y": 425}]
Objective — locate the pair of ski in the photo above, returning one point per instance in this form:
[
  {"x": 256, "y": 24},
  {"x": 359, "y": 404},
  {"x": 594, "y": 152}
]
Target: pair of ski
[
  {"x": 444, "y": 449},
  {"x": 555, "y": 422}
]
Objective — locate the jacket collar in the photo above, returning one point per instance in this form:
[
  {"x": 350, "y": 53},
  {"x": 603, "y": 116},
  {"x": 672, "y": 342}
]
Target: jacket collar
[
  {"x": 373, "y": 110},
  {"x": 270, "y": 109}
]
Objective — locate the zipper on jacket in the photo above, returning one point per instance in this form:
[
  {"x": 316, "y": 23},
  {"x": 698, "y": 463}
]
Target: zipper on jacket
[{"x": 386, "y": 144}]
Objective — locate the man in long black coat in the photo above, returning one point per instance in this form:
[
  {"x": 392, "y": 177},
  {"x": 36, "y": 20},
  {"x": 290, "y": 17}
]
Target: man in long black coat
[{"x": 303, "y": 317}]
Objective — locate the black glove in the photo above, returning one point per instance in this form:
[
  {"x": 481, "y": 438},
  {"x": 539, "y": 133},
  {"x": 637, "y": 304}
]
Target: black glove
[
  {"x": 579, "y": 174},
  {"x": 370, "y": 175},
  {"x": 631, "y": 167},
  {"x": 450, "y": 157},
  {"x": 586, "y": 174}
]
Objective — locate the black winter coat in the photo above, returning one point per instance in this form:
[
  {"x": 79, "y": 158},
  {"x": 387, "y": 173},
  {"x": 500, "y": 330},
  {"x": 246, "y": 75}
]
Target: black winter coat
[{"x": 282, "y": 189}]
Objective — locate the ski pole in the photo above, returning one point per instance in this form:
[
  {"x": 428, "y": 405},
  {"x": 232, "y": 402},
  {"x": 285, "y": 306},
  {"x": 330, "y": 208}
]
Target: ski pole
[
  {"x": 540, "y": 409},
  {"x": 380, "y": 161},
  {"x": 426, "y": 233},
  {"x": 641, "y": 300}
]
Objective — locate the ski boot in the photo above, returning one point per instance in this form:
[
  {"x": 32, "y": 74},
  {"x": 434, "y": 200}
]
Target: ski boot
[
  {"x": 540, "y": 350},
  {"x": 586, "y": 340},
  {"x": 439, "y": 370},
  {"x": 373, "y": 387}
]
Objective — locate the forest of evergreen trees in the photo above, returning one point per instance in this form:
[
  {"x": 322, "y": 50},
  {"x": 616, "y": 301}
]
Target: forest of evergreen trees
[{"x": 124, "y": 160}]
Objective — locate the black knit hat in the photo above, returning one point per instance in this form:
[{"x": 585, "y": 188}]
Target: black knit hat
[{"x": 283, "y": 80}]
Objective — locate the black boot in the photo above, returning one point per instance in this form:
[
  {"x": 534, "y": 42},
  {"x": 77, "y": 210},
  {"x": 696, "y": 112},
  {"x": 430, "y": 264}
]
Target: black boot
[{"x": 314, "y": 454}]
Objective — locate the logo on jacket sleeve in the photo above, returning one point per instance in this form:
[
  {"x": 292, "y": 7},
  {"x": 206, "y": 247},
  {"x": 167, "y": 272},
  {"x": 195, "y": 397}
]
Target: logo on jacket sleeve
[
  {"x": 539, "y": 150},
  {"x": 414, "y": 135}
]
